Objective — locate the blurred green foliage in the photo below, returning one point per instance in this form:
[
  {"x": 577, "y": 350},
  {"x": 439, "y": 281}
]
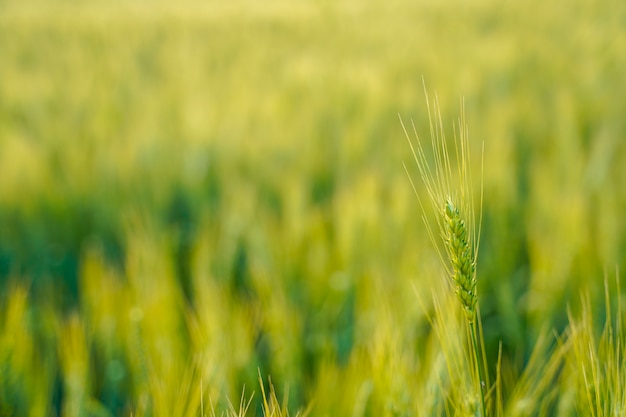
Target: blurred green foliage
[{"x": 196, "y": 191}]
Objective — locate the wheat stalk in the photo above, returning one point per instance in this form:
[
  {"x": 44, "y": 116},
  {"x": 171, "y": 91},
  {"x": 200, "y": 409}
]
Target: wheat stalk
[{"x": 450, "y": 192}]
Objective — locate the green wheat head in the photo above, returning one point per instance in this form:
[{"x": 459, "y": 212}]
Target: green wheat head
[
  {"x": 446, "y": 175},
  {"x": 462, "y": 259}
]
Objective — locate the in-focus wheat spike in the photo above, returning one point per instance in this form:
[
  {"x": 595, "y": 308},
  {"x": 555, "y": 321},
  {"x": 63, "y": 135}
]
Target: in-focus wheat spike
[
  {"x": 461, "y": 257},
  {"x": 446, "y": 174}
]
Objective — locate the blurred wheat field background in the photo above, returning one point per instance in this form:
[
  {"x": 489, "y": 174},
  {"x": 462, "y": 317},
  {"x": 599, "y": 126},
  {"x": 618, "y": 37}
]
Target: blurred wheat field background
[{"x": 196, "y": 193}]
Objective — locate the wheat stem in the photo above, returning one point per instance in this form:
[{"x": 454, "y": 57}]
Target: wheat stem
[{"x": 478, "y": 362}]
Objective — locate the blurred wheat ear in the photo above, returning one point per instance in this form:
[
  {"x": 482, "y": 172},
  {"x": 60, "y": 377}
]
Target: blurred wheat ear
[{"x": 448, "y": 185}]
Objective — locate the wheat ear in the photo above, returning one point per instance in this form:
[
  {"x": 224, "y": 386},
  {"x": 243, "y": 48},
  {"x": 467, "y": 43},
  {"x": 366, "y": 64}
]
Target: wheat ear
[{"x": 461, "y": 257}]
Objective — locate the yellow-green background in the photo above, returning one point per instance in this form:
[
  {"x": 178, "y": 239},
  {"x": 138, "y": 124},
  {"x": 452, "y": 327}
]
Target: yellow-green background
[{"x": 199, "y": 191}]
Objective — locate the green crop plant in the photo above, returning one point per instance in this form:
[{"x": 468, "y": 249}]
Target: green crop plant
[{"x": 451, "y": 196}]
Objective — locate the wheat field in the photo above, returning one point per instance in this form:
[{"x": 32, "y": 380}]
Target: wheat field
[{"x": 204, "y": 208}]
